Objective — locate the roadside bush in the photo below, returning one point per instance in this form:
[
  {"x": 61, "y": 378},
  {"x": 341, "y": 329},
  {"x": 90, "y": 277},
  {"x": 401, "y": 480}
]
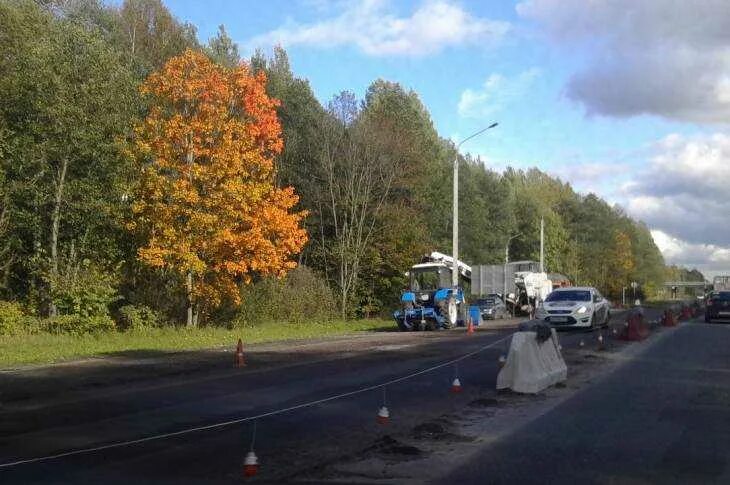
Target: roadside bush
[
  {"x": 78, "y": 325},
  {"x": 135, "y": 317},
  {"x": 12, "y": 319},
  {"x": 300, "y": 296},
  {"x": 88, "y": 292}
]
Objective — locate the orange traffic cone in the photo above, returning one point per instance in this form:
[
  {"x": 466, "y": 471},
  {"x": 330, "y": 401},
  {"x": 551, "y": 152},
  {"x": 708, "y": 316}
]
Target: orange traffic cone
[
  {"x": 238, "y": 359},
  {"x": 250, "y": 464},
  {"x": 383, "y": 415},
  {"x": 456, "y": 385},
  {"x": 470, "y": 327}
]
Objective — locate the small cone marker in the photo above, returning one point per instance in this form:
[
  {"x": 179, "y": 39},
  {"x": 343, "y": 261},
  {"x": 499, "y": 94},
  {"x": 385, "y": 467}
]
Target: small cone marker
[
  {"x": 470, "y": 327},
  {"x": 383, "y": 415},
  {"x": 600, "y": 342},
  {"x": 250, "y": 464},
  {"x": 456, "y": 385},
  {"x": 502, "y": 360},
  {"x": 582, "y": 343},
  {"x": 238, "y": 359}
]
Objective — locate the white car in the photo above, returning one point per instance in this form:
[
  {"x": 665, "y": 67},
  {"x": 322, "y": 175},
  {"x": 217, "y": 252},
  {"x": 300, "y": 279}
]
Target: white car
[{"x": 576, "y": 307}]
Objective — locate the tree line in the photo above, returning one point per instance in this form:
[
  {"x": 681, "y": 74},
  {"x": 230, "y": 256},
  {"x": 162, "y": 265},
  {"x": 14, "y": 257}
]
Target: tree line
[{"x": 87, "y": 183}]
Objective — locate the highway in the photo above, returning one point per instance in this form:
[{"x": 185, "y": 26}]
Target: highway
[
  {"x": 664, "y": 417},
  {"x": 129, "y": 420}
]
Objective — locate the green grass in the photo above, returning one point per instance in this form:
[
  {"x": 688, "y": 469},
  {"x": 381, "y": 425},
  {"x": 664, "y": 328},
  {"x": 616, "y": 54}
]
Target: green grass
[{"x": 46, "y": 348}]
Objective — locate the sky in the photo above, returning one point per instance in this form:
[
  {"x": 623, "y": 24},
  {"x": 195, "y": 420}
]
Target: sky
[{"x": 627, "y": 99}]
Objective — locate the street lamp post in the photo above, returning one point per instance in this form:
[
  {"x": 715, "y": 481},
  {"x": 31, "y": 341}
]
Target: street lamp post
[
  {"x": 506, "y": 260},
  {"x": 455, "y": 222}
]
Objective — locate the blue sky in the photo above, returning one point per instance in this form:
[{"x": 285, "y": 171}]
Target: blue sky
[{"x": 599, "y": 93}]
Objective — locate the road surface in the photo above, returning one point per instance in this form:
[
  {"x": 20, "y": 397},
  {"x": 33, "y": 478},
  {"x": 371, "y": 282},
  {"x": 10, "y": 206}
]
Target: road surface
[
  {"x": 664, "y": 417},
  {"x": 290, "y": 444}
]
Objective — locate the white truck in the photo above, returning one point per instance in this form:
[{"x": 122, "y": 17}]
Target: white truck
[{"x": 521, "y": 283}]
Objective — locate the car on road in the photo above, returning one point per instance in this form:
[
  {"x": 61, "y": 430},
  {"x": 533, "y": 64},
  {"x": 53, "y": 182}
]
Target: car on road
[
  {"x": 717, "y": 306},
  {"x": 575, "y": 307},
  {"x": 492, "y": 307}
]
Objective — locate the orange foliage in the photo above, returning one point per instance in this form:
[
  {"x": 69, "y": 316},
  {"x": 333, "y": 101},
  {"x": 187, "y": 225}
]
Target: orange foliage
[{"x": 207, "y": 202}]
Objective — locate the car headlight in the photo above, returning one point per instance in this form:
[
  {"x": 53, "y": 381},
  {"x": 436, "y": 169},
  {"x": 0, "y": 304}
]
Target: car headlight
[{"x": 582, "y": 310}]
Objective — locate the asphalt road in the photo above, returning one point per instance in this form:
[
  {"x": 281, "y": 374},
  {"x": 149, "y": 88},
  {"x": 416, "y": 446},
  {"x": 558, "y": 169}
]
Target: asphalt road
[
  {"x": 288, "y": 444},
  {"x": 663, "y": 417}
]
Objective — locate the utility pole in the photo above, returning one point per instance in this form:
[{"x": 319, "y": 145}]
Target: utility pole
[
  {"x": 542, "y": 245},
  {"x": 455, "y": 221},
  {"x": 506, "y": 261}
]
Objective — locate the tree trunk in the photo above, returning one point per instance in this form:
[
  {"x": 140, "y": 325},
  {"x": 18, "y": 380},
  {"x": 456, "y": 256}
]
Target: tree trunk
[
  {"x": 55, "y": 226},
  {"x": 189, "y": 291},
  {"x": 192, "y": 317}
]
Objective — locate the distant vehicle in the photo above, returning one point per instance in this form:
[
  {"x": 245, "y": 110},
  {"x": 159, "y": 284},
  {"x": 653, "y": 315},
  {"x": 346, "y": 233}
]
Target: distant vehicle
[
  {"x": 491, "y": 307},
  {"x": 721, "y": 283},
  {"x": 430, "y": 302},
  {"x": 559, "y": 280},
  {"x": 717, "y": 306},
  {"x": 578, "y": 307},
  {"x": 521, "y": 283}
]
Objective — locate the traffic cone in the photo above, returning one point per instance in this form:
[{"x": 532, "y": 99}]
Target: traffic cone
[
  {"x": 470, "y": 327},
  {"x": 456, "y": 385},
  {"x": 601, "y": 345},
  {"x": 383, "y": 415},
  {"x": 238, "y": 359},
  {"x": 582, "y": 343},
  {"x": 250, "y": 464}
]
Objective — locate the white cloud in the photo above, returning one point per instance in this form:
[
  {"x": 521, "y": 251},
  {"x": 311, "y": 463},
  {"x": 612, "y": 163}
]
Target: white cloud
[
  {"x": 710, "y": 259},
  {"x": 644, "y": 57},
  {"x": 496, "y": 93},
  {"x": 682, "y": 194},
  {"x": 372, "y": 27}
]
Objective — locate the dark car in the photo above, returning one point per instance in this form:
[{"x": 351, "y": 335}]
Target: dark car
[
  {"x": 492, "y": 307},
  {"x": 717, "y": 306}
]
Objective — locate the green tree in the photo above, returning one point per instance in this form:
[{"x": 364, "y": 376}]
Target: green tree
[
  {"x": 223, "y": 50},
  {"x": 68, "y": 99}
]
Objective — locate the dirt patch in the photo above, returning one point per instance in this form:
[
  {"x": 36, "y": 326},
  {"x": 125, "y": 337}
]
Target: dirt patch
[
  {"x": 387, "y": 445},
  {"x": 435, "y": 430},
  {"x": 484, "y": 403}
]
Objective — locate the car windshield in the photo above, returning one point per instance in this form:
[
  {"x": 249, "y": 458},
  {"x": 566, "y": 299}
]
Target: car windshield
[
  {"x": 486, "y": 302},
  {"x": 570, "y": 295},
  {"x": 722, "y": 295}
]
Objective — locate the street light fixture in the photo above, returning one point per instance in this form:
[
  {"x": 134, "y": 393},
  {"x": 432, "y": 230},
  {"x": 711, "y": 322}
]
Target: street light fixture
[
  {"x": 455, "y": 223},
  {"x": 506, "y": 260}
]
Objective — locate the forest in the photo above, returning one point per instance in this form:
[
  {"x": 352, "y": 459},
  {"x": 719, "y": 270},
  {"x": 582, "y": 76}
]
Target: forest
[{"x": 126, "y": 201}]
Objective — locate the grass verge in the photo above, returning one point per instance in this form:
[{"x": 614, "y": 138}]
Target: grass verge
[{"x": 46, "y": 348}]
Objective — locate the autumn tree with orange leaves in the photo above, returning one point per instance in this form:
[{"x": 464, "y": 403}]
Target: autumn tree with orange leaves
[{"x": 207, "y": 204}]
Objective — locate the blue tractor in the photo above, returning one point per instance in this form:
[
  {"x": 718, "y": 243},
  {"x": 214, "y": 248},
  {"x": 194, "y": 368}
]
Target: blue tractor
[{"x": 430, "y": 302}]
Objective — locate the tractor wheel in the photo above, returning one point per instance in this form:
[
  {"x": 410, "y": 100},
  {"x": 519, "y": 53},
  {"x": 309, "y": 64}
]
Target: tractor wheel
[
  {"x": 450, "y": 311},
  {"x": 463, "y": 313}
]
